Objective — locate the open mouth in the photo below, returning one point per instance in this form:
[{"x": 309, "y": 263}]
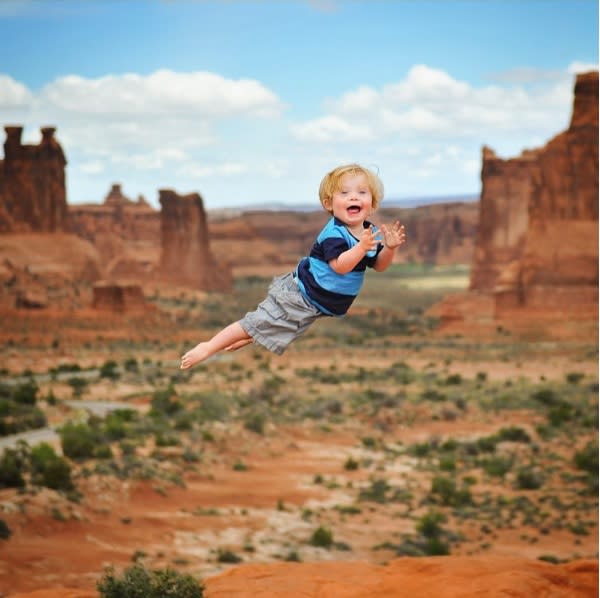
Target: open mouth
[{"x": 354, "y": 210}]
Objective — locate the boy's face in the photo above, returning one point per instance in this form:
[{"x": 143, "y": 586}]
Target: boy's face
[{"x": 352, "y": 201}]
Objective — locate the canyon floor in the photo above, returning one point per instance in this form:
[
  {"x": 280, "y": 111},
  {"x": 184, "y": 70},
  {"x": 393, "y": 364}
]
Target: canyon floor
[{"x": 378, "y": 452}]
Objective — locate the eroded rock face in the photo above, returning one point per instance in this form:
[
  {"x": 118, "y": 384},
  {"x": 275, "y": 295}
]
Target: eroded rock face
[
  {"x": 118, "y": 297},
  {"x": 186, "y": 258},
  {"x": 125, "y": 232},
  {"x": 32, "y": 184},
  {"x": 537, "y": 244}
]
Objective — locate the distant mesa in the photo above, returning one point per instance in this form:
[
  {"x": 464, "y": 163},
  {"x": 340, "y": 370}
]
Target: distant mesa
[{"x": 115, "y": 197}]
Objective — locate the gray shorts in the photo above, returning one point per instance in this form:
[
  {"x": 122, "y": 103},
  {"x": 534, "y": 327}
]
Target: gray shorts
[{"x": 282, "y": 317}]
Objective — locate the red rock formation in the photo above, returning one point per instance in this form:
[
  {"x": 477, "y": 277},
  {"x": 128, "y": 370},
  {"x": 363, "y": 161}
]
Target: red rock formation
[
  {"x": 118, "y": 297},
  {"x": 439, "y": 234},
  {"x": 186, "y": 257},
  {"x": 126, "y": 234},
  {"x": 32, "y": 184},
  {"x": 39, "y": 270},
  {"x": 537, "y": 244}
]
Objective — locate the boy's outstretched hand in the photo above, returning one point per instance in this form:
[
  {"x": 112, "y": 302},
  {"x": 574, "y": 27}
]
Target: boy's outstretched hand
[{"x": 394, "y": 235}]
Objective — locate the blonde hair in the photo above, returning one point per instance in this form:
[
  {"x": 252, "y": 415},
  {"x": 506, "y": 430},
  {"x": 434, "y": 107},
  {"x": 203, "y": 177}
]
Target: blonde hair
[{"x": 331, "y": 183}]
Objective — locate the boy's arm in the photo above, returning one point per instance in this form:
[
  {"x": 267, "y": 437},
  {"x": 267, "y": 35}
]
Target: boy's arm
[
  {"x": 346, "y": 261},
  {"x": 384, "y": 259},
  {"x": 393, "y": 237}
]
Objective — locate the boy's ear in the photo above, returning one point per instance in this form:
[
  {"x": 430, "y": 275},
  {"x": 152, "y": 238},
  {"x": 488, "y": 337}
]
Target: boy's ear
[{"x": 327, "y": 203}]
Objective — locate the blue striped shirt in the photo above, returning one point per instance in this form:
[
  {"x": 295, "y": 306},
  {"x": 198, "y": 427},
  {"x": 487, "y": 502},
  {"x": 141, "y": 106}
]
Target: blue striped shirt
[{"x": 328, "y": 291}]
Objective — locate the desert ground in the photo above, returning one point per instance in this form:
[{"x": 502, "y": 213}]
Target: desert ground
[{"x": 374, "y": 440}]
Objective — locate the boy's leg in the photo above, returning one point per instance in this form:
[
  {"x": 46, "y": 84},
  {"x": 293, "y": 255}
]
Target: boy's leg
[
  {"x": 229, "y": 336},
  {"x": 239, "y": 344}
]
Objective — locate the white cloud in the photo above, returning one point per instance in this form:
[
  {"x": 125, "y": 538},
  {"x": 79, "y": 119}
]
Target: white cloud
[
  {"x": 224, "y": 169},
  {"x": 331, "y": 128},
  {"x": 430, "y": 102},
  {"x": 582, "y": 67},
  {"x": 92, "y": 167},
  {"x": 201, "y": 95},
  {"x": 13, "y": 94},
  {"x": 226, "y": 138}
]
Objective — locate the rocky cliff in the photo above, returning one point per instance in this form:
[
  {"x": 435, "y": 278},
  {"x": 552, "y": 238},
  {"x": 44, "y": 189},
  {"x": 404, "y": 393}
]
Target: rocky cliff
[
  {"x": 32, "y": 184},
  {"x": 439, "y": 234},
  {"x": 186, "y": 257},
  {"x": 126, "y": 233},
  {"x": 537, "y": 241}
]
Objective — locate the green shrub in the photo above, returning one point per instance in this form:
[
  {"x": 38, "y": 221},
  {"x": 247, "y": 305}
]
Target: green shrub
[
  {"x": 513, "y": 434},
  {"x": 322, "y": 537},
  {"x": 429, "y": 524},
  {"x": 496, "y": 466},
  {"x": 131, "y": 365},
  {"x": 109, "y": 369},
  {"x": 587, "y": 458},
  {"x": 255, "y": 422},
  {"x": 49, "y": 469},
  {"x": 228, "y": 556},
  {"x": 528, "y": 479},
  {"x": 546, "y": 396},
  {"x": 445, "y": 491},
  {"x": 165, "y": 402},
  {"x": 377, "y": 492},
  {"x": 78, "y": 440},
  {"x": 5, "y": 531},
  {"x": 13, "y": 463},
  {"x": 351, "y": 464},
  {"x": 26, "y": 393},
  {"x": 138, "y": 582},
  {"x": 574, "y": 377},
  {"x": 78, "y": 385}
]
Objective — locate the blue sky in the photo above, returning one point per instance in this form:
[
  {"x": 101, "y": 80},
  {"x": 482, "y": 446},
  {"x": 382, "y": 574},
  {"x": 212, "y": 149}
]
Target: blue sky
[{"x": 253, "y": 102}]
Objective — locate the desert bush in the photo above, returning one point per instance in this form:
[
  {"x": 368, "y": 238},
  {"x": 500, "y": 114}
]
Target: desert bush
[
  {"x": 138, "y": 582},
  {"x": 431, "y": 394},
  {"x": 78, "y": 385},
  {"x": 26, "y": 393},
  {"x": 78, "y": 441},
  {"x": 351, "y": 464},
  {"x": 497, "y": 466},
  {"x": 377, "y": 492},
  {"x": 445, "y": 491},
  {"x": 165, "y": 402},
  {"x": 210, "y": 406},
  {"x": 322, "y": 537},
  {"x": 13, "y": 464},
  {"x": 455, "y": 379},
  {"x": 255, "y": 422},
  {"x": 513, "y": 434},
  {"x": 131, "y": 365},
  {"x": 49, "y": 469},
  {"x": 546, "y": 396},
  {"x": 5, "y": 531},
  {"x": 528, "y": 479},
  {"x": 228, "y": 556},
  {"x": 574, "y": 377},
  {"x": 109, "y": 369},
  {"x": 431, "y": 539},
  {"x": 587, "y": 458}
]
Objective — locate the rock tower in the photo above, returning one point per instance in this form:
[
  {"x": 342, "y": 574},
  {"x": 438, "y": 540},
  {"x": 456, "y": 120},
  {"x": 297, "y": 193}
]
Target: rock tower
[
  {"x": 33, "y": 194},
  {"x": 186, "y": 258}
]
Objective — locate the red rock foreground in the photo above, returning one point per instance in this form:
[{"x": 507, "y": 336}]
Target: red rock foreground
[{"x": 434, "y": 577}]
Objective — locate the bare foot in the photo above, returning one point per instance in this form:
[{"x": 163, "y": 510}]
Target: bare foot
[
  {"x": 239, "y": 344},
  {"x": 194, "y": 356}
]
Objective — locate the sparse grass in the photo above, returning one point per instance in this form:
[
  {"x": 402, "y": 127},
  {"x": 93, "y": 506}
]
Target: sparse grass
[{"x": 349, "y": 376}]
